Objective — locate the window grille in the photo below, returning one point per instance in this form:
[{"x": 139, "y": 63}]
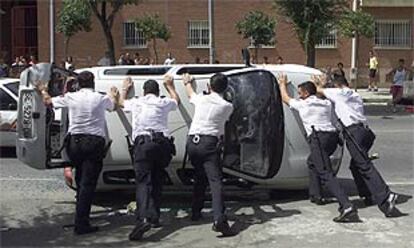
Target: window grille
[
  {"x": 393, "y": 33},
  {"x": 198, "y": 34},
  {"x": 329, "y": 41},
  {"x": 132, "y": 37}
]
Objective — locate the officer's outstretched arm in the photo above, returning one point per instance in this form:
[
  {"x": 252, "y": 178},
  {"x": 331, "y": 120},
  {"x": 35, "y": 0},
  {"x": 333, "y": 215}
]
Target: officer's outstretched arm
[
  {"x": 283, "y": 80},
  {"x": 42, "y": 88},
  {"x": 320, "y": 82},
  {"x": 126, "y": 87},
  {"x": 188, "y": 81},
  {"x": 169, "y": 85}
]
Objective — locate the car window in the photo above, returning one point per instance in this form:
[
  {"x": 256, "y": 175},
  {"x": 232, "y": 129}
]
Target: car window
[
  {"x": 13, "y": 87},
  {"x": 207, "y": 70},
  {"x": 137, "y": 71},
  {"x": 6, "y": 101}
]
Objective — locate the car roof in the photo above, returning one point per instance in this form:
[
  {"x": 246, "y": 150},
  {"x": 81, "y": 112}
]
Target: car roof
[{"x": 4, "y": 80}]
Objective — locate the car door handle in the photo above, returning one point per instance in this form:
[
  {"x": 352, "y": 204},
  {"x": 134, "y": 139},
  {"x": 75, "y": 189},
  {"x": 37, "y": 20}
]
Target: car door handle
[{"x": 35, "y": 115}]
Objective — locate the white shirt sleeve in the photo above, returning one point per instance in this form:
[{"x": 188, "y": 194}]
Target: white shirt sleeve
[
  {"x": 59, "y": 102},
  {"x": 108, "y": 104},
  {"x": 331, "y": 93},
  {"x": 195, "y": 98},
  {"x": 129, "y": 104},
  {"x": 171, "y": 104},
  {"x": 296, "y": 104}
]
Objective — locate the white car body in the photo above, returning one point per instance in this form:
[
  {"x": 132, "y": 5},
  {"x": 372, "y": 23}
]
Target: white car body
[
  {"x": 118, "y": 173},
  {"x": 8, "y": 111}
]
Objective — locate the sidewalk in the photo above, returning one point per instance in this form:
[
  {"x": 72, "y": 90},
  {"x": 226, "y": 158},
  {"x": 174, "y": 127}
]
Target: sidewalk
[{"x": 381, "y": 97}]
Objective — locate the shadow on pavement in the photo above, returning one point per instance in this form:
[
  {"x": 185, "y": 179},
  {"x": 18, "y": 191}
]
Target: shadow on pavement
[{"x": 7, "y": 152}]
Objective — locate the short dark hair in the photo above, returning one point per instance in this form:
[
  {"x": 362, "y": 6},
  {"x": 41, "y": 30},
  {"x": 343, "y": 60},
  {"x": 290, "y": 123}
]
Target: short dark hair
[
  {"x": 309, "y": 87},
  {"x": 401, "y": 60},
  {"x": 151, "y": 87},
  {"x": 86, "y": 79},
  {"x": 219, "y": 82},
  {"x": 340, "y": 81},
  {"x": 340, "y": 64}
]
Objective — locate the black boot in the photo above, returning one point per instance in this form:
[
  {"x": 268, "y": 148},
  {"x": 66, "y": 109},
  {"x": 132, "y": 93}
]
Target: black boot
[
  {"x": 223, "y": 227},
  {"x": 140, "y": 228},
  {"x": 388, "y": 207},
  {"x": 348, "y": 215},
  {"x": 80, "y": 230}
]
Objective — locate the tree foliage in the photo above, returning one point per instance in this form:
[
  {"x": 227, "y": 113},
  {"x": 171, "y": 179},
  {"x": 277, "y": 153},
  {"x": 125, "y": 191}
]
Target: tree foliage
[
  {"x": 353, "y": 23},
  {"x": 74, "y": 17},
  {"x": 153, "y": 28},
  {"x": 258, "y": 27},
  {"x": 105, "y": 11},
  {"x": 312, "y": 20}
]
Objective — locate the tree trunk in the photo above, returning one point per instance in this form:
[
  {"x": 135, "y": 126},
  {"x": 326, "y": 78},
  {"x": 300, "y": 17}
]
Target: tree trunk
[
  {"x": 154, "y": 46},
  {"x": 110, "y": 44},
  {"x": 256, "y": 53},
  {"x": 65, "y": 52},
  {"x": 310, "y": 54},
  {"x": 356, "y": 62}
]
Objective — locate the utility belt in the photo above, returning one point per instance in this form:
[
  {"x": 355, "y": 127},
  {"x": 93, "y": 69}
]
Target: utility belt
[
  {"x": 196, "y": 138},
  {"x": 158, "y": 138},
  {"x": 79, "y": 137}
]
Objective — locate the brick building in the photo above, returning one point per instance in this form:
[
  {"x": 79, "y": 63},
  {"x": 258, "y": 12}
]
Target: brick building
[{"x": 188, "y": 20}]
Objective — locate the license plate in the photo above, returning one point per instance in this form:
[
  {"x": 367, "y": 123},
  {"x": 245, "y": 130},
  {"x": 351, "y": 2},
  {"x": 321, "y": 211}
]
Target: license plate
[{"x": 27, "y": 112}]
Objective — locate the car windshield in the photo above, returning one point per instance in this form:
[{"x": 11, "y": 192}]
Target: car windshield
[{"x": 13, "y": 87}]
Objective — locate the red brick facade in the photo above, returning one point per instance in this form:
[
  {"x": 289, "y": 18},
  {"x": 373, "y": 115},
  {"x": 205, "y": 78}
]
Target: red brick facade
[{"x": 87, "y": 48}]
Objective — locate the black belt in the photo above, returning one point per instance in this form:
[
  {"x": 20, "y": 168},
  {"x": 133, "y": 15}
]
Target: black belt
[
  {"x": 197, "y": 137},
  {"x": 359, "y": 124}
]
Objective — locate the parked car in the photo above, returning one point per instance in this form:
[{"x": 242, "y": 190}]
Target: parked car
[{"x": 9, "y": 89}]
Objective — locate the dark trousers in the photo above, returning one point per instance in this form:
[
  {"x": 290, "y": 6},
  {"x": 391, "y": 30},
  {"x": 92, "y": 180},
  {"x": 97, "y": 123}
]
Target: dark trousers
[
  {"x": 86, "y": 154},
  {"x": 322, "y": 145},
  {"x": 205, "y": 158},
  {"x": 366, "y": 176},
  {"x": 150, "y": 159}
]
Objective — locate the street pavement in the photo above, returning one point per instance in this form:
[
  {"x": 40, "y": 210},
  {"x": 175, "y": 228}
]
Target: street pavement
[{"x": 37, "y": 208}]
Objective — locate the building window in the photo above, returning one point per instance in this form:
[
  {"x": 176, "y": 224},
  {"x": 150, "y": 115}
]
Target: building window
[
  {"x": 393, "y": 33},
  {"x": 271, "y": 45},
  {"x": 132, "y": 37},
  {"x": 198, "y": 34},
  {"x": 329, "y": 41}
]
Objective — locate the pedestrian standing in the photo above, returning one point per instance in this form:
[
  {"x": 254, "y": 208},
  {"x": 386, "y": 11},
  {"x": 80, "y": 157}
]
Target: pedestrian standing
[
  {"x": 153, "y": 148},
  {"x": 323, "y": 139},
  {"x": 169, "y": 60},
  {"x": 373, "y": 69},
  {"x": 204, "y": 147},
  {"x": 339, "y": 72},
  {"x": 399, "y": 74},
  {"x": 359, "y": 139},
  {"x": 86, "y": 140}
]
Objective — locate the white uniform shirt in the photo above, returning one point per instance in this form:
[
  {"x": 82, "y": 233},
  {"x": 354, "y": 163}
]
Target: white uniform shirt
[
  {"x": 150, "y": 112},
  {"x": 314, "y": 112},
  {"x": 349, "y": 106},
  {"x": 211, "y": 114},
  {"x": 86, "y": 111}
]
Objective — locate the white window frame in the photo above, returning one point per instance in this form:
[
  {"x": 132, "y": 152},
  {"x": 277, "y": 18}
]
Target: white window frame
[
  {"x": 129, "y": 26},
  {"x": 272, "y": 45},
  {"x": 330, "y": 41},
  {"x": 197, "y": 37},
  {"x": 385, "y": 31}
]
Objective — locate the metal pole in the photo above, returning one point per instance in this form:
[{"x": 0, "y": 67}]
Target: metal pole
[
  {"x": 353, "y": 74},
  {"x": 52, "y": 30},
  {"x": 211, "y": 29}
]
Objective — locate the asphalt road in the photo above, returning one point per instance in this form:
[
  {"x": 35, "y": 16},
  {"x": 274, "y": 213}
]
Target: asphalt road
[{"x": 37, "y": 209}]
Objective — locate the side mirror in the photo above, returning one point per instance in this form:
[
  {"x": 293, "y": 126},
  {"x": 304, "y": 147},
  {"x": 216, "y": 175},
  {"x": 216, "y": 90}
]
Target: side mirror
[{"x": 12, "y": 106}]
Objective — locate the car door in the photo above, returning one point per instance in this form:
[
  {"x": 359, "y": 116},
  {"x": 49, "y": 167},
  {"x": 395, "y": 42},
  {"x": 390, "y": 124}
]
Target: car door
[
  {"x": 254, "y": 140},
  {"x": 40, "y": 134}
]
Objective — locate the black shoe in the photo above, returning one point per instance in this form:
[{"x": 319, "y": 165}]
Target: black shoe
[
  {"x": 139, "y": 230},
  {"x": 368, "y": 201},
  {"x": 196, "y": 216},
  {"x": 388, "y": 207},
  {"x": 348, "y": 215},
  {"x": 319, "y": 200},
  {"x": 155, "y": 223},
  {"x": 80, "y": 230},
  {"x": 223, "y": 227}
]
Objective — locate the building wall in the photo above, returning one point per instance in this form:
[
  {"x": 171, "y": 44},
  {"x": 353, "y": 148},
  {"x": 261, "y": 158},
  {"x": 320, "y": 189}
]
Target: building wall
[{"x": 88, "y": 48}]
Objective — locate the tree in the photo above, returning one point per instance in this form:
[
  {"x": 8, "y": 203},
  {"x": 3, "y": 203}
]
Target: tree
[
  {"x": 74, "y": 17},
  {"x": 258, "y": 27},
  {"x": 354, "y": 24},
  {"x": 312, "y": 20},
  {"x": 152, "y": 28},
  {"x": 105, "y": 11}
]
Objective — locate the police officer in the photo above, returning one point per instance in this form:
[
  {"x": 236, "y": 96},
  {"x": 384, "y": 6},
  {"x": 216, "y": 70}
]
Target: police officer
[
  {"x": 203, "y": 147},
  {"x": 323, "y": 140},
  {"x": 86, "y": 142},
  {"x": 152, "y": 148},
  {"x": 359, "y": 139}
]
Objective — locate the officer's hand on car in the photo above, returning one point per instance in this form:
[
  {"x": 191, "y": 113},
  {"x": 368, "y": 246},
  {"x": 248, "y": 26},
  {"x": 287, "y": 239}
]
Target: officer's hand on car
[
  {"x": 168, "y": 81},
  {"x": 114, "y": 95},
  {"x": 319, "y": 80},
  {"x": 187, "y": 79},
  {"x": 282, "y": 79},
  {"x": 127, "y": 84}
]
